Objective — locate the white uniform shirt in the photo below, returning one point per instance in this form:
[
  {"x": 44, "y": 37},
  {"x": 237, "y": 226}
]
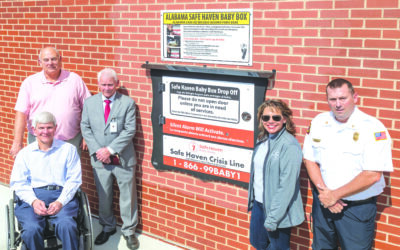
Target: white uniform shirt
[{"x": 344, "y": 150}]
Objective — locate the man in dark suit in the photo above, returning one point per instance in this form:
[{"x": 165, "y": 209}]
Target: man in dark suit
[{"x": 108, "y": 126}]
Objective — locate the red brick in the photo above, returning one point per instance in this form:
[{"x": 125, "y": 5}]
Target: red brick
[
  {"x": 363, "y": 73},
  {"x": 379, "y": 23},
  {"x": 277, "y": 49},
  {"x": 391, "y": 13},
  {"x": 346, "y": 62},
  {"x": 319, "y": 4},
  {"x": 334, "y": 13},
  {"x": 289, "y": 41},
  {"x": 349, "y": 4},
  {"x": 378, "y": 103},
  {"x": 318, "y": 23},
  {"x": 305, "y": 33},
  {"x": 392, "y": 114},
  {"x": 390, "y": 54},
  {"x": 391, "y": 34},
  {"x": 380, "y": 64},
  {"x": 304, "y": 14},
  {"x": 366, "y": 13},
  {"x": 390, "y": 74},
  {"x": 216, "y": 238},
  {"x": 288, "y": 59},
  {"x": 303, "y": 69},
  {"x": 363, "y": 53},
  {"x": 382, "y": 4},
  {"x": 290, "y": 23},
  {"x": 276, "y": 32},
  {"x": 334, "y": 32},
  {"x": 332, "y": 52},
  {"x": 365, "y": 33},
  {"x": 304, "y": 51},
  {"x": 206, "y": 242},
  {"x": 331, "y": 71},
  {"x": 271, "y": 14}
]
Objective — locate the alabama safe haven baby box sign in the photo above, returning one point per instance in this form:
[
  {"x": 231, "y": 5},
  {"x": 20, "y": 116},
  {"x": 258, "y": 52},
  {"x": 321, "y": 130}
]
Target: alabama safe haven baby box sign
[{"x": 207, "y": 36}]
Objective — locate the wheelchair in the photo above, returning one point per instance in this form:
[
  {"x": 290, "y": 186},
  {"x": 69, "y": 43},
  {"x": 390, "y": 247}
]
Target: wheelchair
[{"x": 84, "y": 222}]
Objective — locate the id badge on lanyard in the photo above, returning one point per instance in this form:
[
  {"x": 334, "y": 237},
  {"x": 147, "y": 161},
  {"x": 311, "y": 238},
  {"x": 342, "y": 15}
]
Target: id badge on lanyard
[{"x": 113, "y": 126}]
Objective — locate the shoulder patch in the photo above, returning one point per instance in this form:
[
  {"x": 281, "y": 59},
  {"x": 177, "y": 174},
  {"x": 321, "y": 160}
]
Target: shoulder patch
[{"x": 379, "y": 136}]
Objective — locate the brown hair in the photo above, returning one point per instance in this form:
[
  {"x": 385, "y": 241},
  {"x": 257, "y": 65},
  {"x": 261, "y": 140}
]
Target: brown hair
[
  {"x": 338, "y": 83},
  {"x": 278, "y": 105}
]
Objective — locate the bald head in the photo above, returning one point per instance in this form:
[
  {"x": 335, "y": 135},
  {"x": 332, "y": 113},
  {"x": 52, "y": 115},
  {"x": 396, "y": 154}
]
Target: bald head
[{"x": 50, "y": 60}]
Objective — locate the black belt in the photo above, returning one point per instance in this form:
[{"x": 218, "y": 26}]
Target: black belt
[
  {"x": 51, "y": 187},
  {"x": 360, "y": 202}
]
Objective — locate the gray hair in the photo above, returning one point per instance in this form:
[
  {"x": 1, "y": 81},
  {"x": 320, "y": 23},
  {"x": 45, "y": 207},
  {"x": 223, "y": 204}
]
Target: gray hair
[
  {"x": 108, "y": 72},
  {"x": 41, "y": 51},
  {"x": 44, "y": 117}
]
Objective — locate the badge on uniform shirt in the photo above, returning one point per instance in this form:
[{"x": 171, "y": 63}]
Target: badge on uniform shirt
[
  {"x": 113, "y": 126},
  {"x": 355, "y": 136},
  {"x": 316, "y": 140},
  {"x": 379, "y": 136}
]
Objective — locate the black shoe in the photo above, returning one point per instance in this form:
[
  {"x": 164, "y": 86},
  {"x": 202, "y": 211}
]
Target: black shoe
[
  {"x": 132, "y": 242},
  {"x": 103, "y": 237}
]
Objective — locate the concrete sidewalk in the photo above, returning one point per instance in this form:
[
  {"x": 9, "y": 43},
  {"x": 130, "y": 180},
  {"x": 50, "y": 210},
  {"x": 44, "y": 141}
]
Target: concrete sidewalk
[{"x": 116, "y": 241}]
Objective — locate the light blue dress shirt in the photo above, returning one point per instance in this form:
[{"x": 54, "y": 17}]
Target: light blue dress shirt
[{"x": 33, "y": 168}]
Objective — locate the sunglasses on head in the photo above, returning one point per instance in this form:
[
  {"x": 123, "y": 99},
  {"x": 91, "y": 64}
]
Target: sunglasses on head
[{"x": 276, "y": 118}]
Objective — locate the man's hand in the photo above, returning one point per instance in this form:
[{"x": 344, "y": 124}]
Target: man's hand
[
  {"x": 39, "y": 207},
  {"x": 338, "y": 207},
  {"x": 84, "y": 146},
  {"x": 54, "y": 208},
  {"x": 15, "y": 148},
  {"x": 326, "y": 196},
  {"x": 103, "y": 155}
]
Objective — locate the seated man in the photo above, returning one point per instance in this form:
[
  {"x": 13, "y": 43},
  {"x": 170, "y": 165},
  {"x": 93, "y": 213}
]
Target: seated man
[{"x": 45, "y": 177}]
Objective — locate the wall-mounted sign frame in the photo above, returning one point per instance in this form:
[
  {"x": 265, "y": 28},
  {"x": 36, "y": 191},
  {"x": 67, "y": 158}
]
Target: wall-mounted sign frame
[
  {"x": 204, "y": 119},
  {"x": 207, "y": 36}
]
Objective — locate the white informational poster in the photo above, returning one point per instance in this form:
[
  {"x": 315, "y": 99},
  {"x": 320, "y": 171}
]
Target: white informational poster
[
  {"x": 216, "y": 119},
  {"x": 207, "y": 36}
]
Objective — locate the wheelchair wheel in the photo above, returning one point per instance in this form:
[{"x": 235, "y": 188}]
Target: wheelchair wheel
[
  {"x": 10, "y": 225},
  {"x": 86, "y": 222}
]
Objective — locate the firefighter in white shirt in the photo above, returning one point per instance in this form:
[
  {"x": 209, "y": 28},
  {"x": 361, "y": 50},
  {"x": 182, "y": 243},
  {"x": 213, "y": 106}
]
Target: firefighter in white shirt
[{"x": 345, "y": 152}]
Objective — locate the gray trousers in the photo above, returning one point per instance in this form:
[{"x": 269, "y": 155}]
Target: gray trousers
[{"x": 126, "y": 181}]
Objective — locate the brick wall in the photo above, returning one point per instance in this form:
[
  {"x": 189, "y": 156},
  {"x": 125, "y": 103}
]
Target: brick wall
[{"x": 307, "y": 42}]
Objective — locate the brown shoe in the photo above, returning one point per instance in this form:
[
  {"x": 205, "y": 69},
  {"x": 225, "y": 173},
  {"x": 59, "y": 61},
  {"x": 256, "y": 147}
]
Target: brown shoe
[{"x": 132, "y": 242}]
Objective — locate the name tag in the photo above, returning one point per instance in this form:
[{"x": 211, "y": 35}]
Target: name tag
[{"x": 113, "y": 127}]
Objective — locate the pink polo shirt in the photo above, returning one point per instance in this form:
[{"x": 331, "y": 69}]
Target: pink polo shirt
[{"x": 64, "y": 99}]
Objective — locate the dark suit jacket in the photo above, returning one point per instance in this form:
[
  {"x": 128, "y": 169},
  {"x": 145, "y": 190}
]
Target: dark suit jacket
[{"x": 97, "y": 134}]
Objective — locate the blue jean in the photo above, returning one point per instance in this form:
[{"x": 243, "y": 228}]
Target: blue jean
[
  {"x": 33, "y": 225},
  {"x": 260, "y": 238}
]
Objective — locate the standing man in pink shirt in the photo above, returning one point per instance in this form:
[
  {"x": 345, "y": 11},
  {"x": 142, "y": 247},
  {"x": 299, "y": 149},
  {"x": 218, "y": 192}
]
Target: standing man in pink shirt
[{"x": 54, "y": 90}]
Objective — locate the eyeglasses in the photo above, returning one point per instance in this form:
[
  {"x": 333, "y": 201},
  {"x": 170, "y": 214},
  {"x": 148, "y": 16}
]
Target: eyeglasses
[{"x": 266, "y": 118}]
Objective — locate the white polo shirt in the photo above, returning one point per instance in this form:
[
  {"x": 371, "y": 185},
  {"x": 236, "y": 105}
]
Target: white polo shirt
[{"x": 344, "y": 150}]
